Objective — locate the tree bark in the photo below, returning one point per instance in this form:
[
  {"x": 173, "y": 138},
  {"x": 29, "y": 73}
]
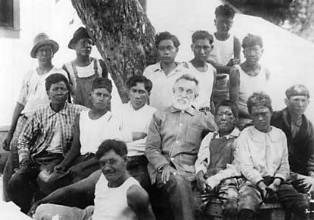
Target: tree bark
[{"x": 123, "y": 35}]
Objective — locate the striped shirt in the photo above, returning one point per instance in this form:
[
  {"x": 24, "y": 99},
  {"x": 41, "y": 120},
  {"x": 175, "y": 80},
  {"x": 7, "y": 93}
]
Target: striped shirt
[{"x": 40, "y": 129}]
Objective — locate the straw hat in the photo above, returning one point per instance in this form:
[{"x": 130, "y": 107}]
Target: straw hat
[
  {"x": 43, "y": 39},
  {"x": 78, "y": 34}
]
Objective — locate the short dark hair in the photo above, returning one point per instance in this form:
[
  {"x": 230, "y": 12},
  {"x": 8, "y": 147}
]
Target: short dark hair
[
  {"x": 232, "y": 105},
  {"x": 133, "y": 80},
  {"x": 259, "y": 99},
  {"x": 224, "y": 11},
  {"x": 55, "y": 78},
  {"x": 166, "y": 36},
  {"x": 119, "y": 147},
  {"x": 201, "y": 35},
  {"x": 101, "y": 82},
  {"x": 251, "y": 40}
]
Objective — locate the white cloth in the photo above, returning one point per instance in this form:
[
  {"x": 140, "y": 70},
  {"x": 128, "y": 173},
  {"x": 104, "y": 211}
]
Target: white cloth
[
  {"x": 33, "y": 93},
  {"x": 161, "y": 94},
  {"x": 262, "y": 154},
  {"x": 55, "y": 145},
  {"x": 136, "y": 121},
  {"x": 250, "y": 84},
  {"x": 222, "y": 51},
  {"x": 111, "y": 203},
  {"x": 94, "y": 132},
  {"x": 205, "y": 84}
]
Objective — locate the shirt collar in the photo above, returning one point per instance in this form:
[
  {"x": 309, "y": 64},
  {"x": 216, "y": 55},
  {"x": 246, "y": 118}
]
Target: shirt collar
[
  {"x": 108, "y": 115},
  {"x": 190, "y": 110},
  {"x": 131, "y": 107},
  {"x": 259, "y": 136},
  {"x": 63, "y": 111},
  {"x": 234, "y": 134}
]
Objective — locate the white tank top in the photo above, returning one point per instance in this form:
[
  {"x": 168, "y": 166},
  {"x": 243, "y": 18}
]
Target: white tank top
[
  {"x": 223, "y": 50},
  {"x": 249, "y": 85},
  {"x": 111, "y": 203},
  {"x": 94, "y": 132},
  {"x": 205, "y": 84}
]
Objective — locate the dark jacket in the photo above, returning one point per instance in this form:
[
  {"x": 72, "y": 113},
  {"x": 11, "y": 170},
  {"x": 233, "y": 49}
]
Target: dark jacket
[{"x": 301, "y": 147}]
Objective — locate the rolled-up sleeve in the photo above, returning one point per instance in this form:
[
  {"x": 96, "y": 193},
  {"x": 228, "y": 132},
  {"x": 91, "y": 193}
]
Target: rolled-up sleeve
[
  {"x": 153, "y": 150},
  {"x": 22, "y": 98}
]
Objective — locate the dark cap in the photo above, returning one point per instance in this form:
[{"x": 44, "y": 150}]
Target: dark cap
[
  {"x": 297, "y": 90},
  {"x": 78, "y": 34}
]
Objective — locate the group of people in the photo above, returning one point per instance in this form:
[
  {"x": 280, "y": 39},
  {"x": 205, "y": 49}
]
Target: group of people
[{"x": 190, "y": 131}]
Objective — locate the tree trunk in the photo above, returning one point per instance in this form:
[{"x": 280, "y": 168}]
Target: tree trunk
[{"x": 123, "y": 35}]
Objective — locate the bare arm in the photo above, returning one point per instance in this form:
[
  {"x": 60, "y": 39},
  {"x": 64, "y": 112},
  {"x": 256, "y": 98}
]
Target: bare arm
[
  {"x": 138, "y": 201},
  {"x": 234, "y": 89},
  {"x": 219, "y": 67},
  {"x": 237, "y": 49}
]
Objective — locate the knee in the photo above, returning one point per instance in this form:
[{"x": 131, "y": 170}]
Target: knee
[
  {"x": 17, "y": 181},
  {"x": 178, "y": 181}
]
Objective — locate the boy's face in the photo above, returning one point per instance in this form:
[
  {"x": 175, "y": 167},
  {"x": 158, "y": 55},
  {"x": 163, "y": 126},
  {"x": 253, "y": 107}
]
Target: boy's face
[
  {"x": 201, "y": 49},
  {"x": 138, "y": 95},
  {"x": 225, "y": 119},
  {"x": 261, "y": 116},
  {"x": 113, "y": 166},
  {"x": 184, "y": 93},
  {"x": 83, "y": 46},
  {"x": 167, "y": 51},
  {"x": 100, "y": 98},
  {"x": 223, "y": 24},
  {"x": 44, "y": 54},
  {"x": 253, "y": 54},
  {"x": 297, "y": 104},
  {"x": 58, "y": 93}
]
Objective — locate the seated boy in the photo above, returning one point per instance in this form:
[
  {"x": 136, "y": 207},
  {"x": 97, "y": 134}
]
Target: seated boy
[
  {"x": 249, "y": 78},
  {"x": 215, "y": 157}
]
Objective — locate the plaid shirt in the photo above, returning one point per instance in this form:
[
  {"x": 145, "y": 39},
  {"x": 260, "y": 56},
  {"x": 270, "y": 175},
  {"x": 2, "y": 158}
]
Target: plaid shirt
[{"x": 39, "y": 130}]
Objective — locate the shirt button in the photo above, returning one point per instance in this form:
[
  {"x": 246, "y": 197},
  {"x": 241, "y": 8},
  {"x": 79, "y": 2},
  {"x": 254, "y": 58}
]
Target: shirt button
[{"x": 172, "y": 159}]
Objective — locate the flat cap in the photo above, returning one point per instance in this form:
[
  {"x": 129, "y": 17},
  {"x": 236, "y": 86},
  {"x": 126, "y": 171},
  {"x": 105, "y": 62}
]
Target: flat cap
[{"x": 297, "y": 90}]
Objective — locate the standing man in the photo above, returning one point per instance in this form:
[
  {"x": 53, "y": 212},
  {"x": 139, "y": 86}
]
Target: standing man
[
  {"x": 300, "y": 135},
  {"x": 118, "y": 196},
  {"x": 173, "y": 140},
  {"x": 32, "y": 95},
  {"x": 204, "y": 72},
  {"x": 45, "y": 139},
  {"x": 136, "y": 116},
  {"x": 164, "y": 73}
]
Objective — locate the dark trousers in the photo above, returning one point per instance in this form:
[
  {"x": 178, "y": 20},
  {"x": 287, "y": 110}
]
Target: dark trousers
[
  {"x": 137, "y": 167},
  {"x": 179, "y": 192},
  {"x": 23, "y": 184}
]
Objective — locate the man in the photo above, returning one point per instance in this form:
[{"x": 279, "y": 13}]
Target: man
[
  {"x": 136, "y": 116},
  {"x": 164, "y": 73},
  {"x": 262, "y": 155},
  {"x": 173, "y": 140},
  {"x": 249, "y": 77},
  {"x": 226, "y": 50},
  {"x": 213, "y": 165},
  {"x": 84, "y": 69},
  {"x": 44, "y": 140},
  {"x": 32, "y": 95},
  {"x": 300, "y": 135},
  {"x": 118, "y": 196},
  {"x": 204, "y": 72}
]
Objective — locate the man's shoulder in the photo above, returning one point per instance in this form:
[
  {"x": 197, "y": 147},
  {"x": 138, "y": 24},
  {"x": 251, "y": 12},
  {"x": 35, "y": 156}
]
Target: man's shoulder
[
  {"x": 151, "y": 69},
  {"x": 137, "y": 196},
  {"x": 77, "y": 108}
]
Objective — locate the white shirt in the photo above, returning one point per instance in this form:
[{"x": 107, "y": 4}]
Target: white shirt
[
  {"x": 262, "y": 154},
  {"x": 205, "y": 84},
  {"x": 161, "y": 94},
  {"x": 94, "y": 132},
  {"x": 33, "y": 93},
  {"x": 136, "y": 121},
  {"x": 222, "y": 51},
  {"x": 111, "y": 203}
]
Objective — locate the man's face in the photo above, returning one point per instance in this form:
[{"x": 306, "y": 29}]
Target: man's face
[
  {"x": 83, "y": 46},
  {"x": 261, "y": 116},
  {"x": 58, "y": 93},
  {"x": 223, "y": 24},
  {"x": 138, "y": 95},
  {"x": 184, "y": 93},
  {"x": 44, "y": 54},
  {"x": 225, "y": 119},
  {"x": 297, "y": 104},
  {"x": 201, "y": 49},
  {"x": 167, "y": 51},
  {"x": 113, "y": 166},
  {"x": 100, "y": 98},
  {"x": 253, "y": 54}
]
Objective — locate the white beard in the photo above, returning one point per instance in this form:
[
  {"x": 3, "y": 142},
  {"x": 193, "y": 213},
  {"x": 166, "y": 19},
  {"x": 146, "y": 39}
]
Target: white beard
[{"x": 182, "y": 106}]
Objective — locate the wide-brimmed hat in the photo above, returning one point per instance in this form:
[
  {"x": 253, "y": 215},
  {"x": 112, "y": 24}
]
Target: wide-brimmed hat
[
  {"x": 78, "y": 34},
  {"x": 43, "y": 39}
]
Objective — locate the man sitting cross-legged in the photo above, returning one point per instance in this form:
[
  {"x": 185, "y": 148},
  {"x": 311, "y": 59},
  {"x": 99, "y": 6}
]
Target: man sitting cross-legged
[
  {"x": 44, "y": 140},
  {"x": 173, "y": 140},
  {"x": 118, "y": 196},
  {"x": 214, "y": 160}
]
